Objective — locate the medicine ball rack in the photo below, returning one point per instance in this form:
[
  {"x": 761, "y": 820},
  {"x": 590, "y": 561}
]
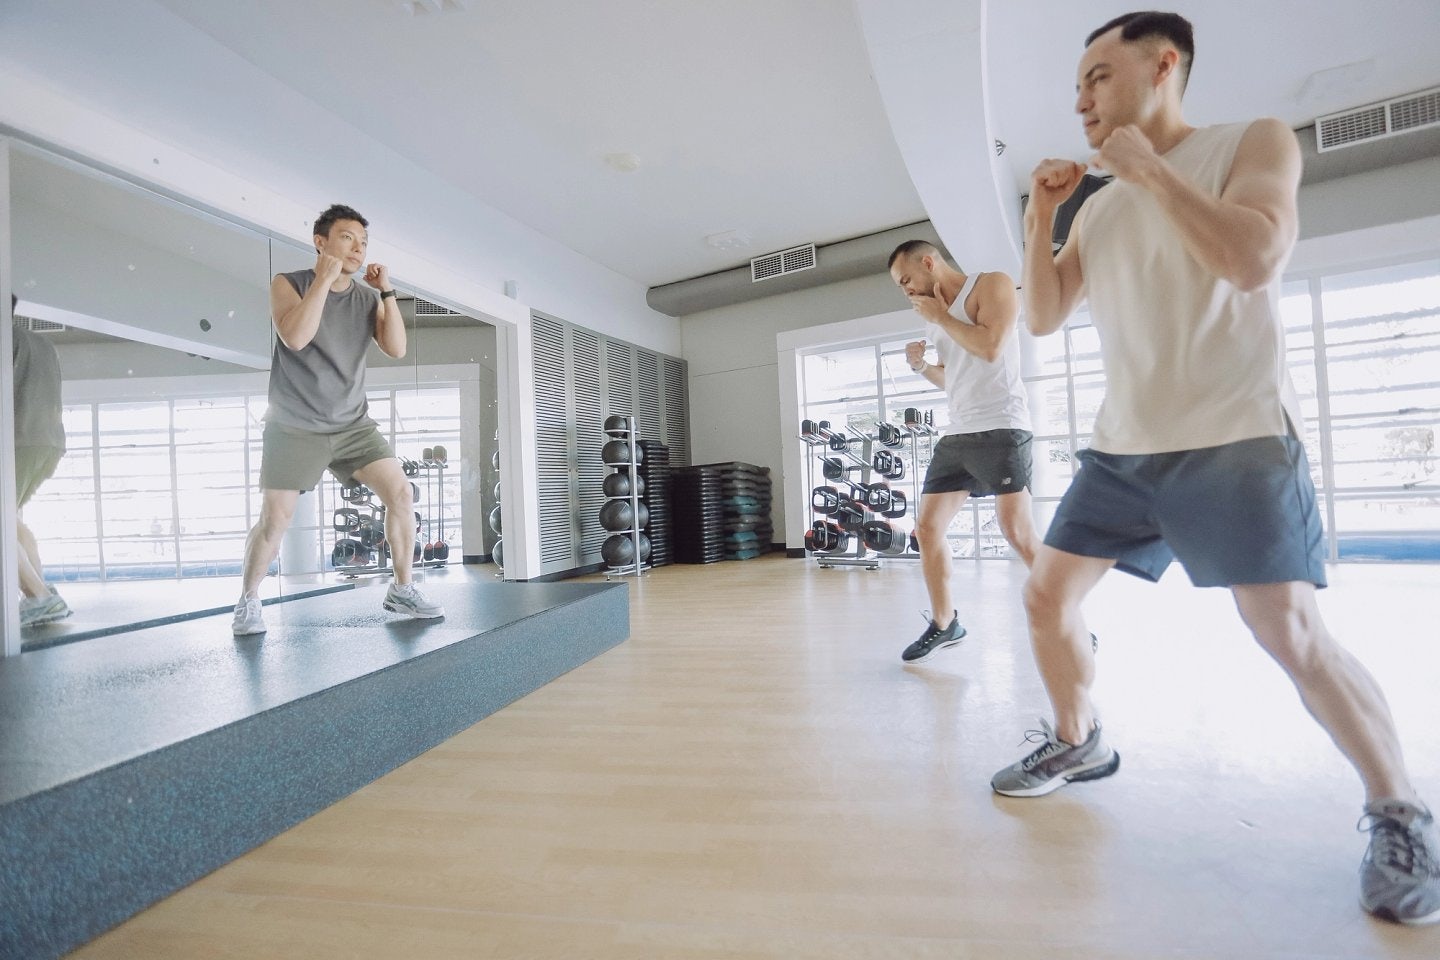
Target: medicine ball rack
[
  {"x": 854, "y": 527},
  {"x": 626, "y": 551},
  {"x": 360, "y": 548}
]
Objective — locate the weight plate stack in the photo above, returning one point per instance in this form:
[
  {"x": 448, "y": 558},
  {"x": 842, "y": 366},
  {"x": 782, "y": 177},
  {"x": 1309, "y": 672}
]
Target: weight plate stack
[
  {"x": 746, "y": 496},
  {"x": 655, "y": 470},
  {"x": 698, "y": 500}
]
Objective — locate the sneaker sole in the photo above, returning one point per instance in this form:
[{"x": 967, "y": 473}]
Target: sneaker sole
[
  {"x": 51, "y": 618},
  {"x": 413, "y": 614},
  {"x": 937, "y": 649},
  {"x": 248, "y": 633},
  {"x": 1094, "y": 772},
  {"x": 1388, "y": 915}
]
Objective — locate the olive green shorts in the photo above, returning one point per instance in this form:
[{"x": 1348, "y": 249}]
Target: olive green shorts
[
  {"x": 33, "y": 466},
  {"x": 294, "y": 459}
]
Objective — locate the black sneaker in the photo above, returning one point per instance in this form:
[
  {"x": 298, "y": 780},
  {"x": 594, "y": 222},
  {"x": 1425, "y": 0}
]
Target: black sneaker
[{"x": 934, "y": 639}]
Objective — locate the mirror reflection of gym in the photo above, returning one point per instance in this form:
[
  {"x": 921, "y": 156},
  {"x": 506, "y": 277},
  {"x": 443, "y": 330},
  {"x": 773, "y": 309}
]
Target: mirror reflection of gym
[{"x": 160, "y": 317}]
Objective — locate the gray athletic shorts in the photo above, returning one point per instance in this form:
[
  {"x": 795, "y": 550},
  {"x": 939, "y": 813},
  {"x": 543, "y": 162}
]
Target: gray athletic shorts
[
  {"x": 33, "y": 466},
  {"x": 294, "y": 459},
  {"x": 1238, "y": 513},
  {"x": 984, "y": 463}
]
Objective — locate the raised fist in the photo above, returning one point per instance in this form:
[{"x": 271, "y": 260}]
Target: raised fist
[
  {"x": 1054, "y": 181},
  {"x": 915, "y": 353},
  {"x": 328, "y": 268}
]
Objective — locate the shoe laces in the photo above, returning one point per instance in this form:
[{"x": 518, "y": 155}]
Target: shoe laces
[
  {"x": 1050, "y": 745},
  {"x": 932, "y": 629},
  {"x": 1394, "y": 845}
]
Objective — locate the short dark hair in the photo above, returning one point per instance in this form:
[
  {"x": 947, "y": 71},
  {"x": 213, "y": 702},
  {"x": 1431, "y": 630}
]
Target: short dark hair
[
  {"x": 913, "y": 248},
  {"x": 337, "y": 211},
  {"x": 1144, "y": 24}
]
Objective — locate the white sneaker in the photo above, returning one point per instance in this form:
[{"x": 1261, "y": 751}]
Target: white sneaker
[
  {"x": 408, "y": 599},
  {"x": 247, "y": 617},
  {"x": 47, "y": 609}
]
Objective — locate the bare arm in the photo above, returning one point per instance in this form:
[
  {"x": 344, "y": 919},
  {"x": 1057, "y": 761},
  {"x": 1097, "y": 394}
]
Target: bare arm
[
  {"x": 297, "y": 318},
  {"x": 1242, "y": 236},
  {"x": 389, "y": 325},
  {"x": 995, "y": 313},
  {"x": 1051, "y": 285}
]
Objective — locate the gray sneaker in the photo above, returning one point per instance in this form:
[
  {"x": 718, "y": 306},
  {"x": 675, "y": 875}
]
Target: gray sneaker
[
  {"x": 933, "y": 640},
  {"x": 247, "y": 617},
  {"x": 409, "y": 600},
  {"x": 47, "y": 609},
  {"x": 1055, "y": 763},
  {"x": 1400, "y": 875}
]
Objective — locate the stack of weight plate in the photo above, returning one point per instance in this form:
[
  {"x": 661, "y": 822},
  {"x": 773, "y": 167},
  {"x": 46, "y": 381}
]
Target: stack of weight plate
[
  {"x": 655, "y": 471},
  {"x": 696, "y": 495},
  {"x": 745, "y": 496}
]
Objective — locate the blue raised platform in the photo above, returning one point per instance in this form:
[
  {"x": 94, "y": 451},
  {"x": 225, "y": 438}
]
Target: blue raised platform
[{"x": 133, "y": 764}]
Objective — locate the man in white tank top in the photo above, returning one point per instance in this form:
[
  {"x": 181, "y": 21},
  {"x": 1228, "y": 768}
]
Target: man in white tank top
[
  {"x": 986, "y": 447},
  {"x": 1194, "y": 454}
]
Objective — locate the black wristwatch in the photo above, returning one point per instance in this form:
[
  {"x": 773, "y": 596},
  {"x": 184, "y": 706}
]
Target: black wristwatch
[{"x": 386, "y": 293}]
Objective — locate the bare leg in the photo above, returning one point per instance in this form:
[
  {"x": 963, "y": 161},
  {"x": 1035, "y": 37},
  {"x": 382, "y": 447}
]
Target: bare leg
[
  {"x": 1337, "y": 690},
  {"x": 932, "y": 522},
  {"x": 1058, "y": 583},
  {"x": 262, "y": 546},
  {"x": 1018, "y": 524},
  {"x": 391, "y": 485},
  {"x": 32, "y": 573}
]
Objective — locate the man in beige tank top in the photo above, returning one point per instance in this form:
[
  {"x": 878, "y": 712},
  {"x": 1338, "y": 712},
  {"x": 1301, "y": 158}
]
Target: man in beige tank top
[{"x": 1195, "y": 454}]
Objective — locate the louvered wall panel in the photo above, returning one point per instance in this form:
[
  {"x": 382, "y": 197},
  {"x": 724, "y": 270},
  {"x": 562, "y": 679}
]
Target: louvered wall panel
[
  {"x": 677, "y": 410},
  {"x": 619, "y": 378},
  {"x": 589, "y": 440},
  {"x": 552, "y": 445},
  {"x": 647, "y": 408}
]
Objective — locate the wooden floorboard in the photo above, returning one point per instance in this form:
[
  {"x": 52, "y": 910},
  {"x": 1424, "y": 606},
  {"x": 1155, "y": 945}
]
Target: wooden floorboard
[{"x": 755, "y": 774}]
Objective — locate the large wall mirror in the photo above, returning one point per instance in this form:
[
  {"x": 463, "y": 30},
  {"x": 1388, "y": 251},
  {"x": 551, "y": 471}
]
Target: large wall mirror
[{"x": 159, "y": 317}]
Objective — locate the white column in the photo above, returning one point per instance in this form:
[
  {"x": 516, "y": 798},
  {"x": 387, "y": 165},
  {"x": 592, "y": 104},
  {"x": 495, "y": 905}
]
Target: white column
[{"x": 9, "y": 557}]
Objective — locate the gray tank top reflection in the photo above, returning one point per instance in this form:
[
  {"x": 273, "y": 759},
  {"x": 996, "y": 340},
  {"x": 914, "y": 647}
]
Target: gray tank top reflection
[{"x": 322, "y": 387}]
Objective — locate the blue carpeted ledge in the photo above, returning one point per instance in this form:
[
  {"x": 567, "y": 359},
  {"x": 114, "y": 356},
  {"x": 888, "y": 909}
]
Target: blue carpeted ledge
[{"x": 132, "y": 765}]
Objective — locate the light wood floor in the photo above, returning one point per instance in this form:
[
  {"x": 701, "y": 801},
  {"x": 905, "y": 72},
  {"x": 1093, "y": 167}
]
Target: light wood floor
[{"x": 754, "y": 774}]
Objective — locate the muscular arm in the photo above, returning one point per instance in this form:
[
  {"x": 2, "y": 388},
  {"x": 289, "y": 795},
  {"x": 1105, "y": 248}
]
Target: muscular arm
[
  {"x": 935, "y": 373},
  {"x": 995, "y": 313},
  {"x": 1245, "y": 235},
  {"x": 296, "y": 318},
  {"x": 1051, "y": 285},
  {"x": 390, "y": 328}
]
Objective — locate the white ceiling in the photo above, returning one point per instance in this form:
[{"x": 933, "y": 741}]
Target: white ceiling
[{"x": 757, "y": 116}]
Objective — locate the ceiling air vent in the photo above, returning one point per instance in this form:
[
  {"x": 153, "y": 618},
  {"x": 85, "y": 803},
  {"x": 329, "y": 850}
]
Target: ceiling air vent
[
  {"x": 1378, "y": 120},
  {"x": 782, "y": 262},
  {"x": 36, "y": 325},
  {"x": 424, "y": 308}
]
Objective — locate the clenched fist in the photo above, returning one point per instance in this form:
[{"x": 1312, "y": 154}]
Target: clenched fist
[
  {"x": 915, "y": 353},
  {"x": 328, "y": 268},
  {"x": 378, "y": 276},
  {"x": 1053, "y": 182},
  {"x": 1127, "y": 153}
]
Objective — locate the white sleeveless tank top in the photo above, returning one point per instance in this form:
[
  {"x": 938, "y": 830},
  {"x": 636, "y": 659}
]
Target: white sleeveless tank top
[
  {"x": 983, "y": 395},
  {"x": 1190, "y": 360}
]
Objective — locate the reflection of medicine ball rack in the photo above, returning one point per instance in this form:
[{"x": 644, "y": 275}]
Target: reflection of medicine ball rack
[
  {"x": 627, "y": 550},
  {"x": 857, "y": 520}
]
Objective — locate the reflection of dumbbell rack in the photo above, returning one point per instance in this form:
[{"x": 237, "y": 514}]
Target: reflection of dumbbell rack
[
  {"x": 360, "y": 546},
  {"x": 838, "y": 540},
  {"x": 626, "y": 551}
]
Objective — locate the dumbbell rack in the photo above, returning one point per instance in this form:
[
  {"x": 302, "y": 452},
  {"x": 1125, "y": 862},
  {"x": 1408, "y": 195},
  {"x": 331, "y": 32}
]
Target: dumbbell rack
[
  {"x": 848, "y": 555},
  {"x": 861, "y": 554}
]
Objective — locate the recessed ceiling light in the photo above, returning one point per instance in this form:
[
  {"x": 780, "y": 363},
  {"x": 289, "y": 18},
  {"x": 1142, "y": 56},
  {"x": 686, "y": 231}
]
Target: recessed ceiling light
[
  {"x": 729, "y": 240},
  {"x": 624, "y": 162}
]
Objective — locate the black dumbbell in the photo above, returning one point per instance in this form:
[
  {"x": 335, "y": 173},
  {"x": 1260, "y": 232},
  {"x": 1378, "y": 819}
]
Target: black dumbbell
[
  {"x": 807, "y": 429},
  {"x": 372, "y": 533},
  {"x": 824, "y": 500},
  {"x": 912, "y": 418},
  {"x": 888, "y": 465},
  {"x": 898, "y": 505},
  {"x": 885, "y": 538},
  {"x": 890, "y": 435},
  {"x": 839, "y": 442},
  {"x": 347, "y": 520},
  {"x": 849, "y": 515},
  {"x": 835, "y": 469},
  {"x": 878, "y": 496},
  {"x": 349, "y": 553}
]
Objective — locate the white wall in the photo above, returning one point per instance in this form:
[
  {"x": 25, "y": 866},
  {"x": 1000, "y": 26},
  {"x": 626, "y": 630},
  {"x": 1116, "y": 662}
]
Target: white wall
[
  {"x": 79, "y": 79},
  {"x": 735, "y": 398},
  {"x": 1391, "y": 195}
]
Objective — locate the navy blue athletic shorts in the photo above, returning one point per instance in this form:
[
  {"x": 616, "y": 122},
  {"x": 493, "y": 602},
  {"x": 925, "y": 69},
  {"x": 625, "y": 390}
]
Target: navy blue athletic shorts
[{"x": 1238, "y": 513}]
